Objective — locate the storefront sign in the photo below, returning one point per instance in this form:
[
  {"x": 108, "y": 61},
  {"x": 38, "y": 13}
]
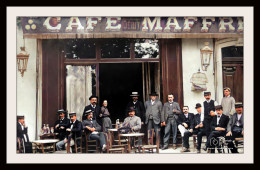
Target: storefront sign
[{"x": 162, "y": 25}]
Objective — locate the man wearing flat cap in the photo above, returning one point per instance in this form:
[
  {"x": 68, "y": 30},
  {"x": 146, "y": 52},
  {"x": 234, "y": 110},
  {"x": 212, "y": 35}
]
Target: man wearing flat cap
[
  {"x": 138, "y": 105},
  {"x": 228, "y": 102},
  {"x": 235, "y": 128},
  {"x": 95, "y": 108},
  {"x": 153, "y": 109},
  {"x": 22, "y": 136},
  {"x": 199, "y": 128},
  {"x": 93, "y": 129},
  {"x": 61, "y": 125},
  {"x": 218, "y": 127},
  {"x": 169, "y": 117}
]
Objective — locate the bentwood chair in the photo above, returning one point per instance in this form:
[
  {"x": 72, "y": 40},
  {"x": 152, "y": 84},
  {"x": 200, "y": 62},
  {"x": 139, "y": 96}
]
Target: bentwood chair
[
  {"x": 20, "y": 145},
  {"x": 114, "y": 148},
  {"x": 91, "y": 145},
  {"x": 150, "y": 147}
]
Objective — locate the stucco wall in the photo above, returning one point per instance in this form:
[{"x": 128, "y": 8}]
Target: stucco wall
[
  {"x": 191, "y": 63},
  {"x": 26, "y": 85}
]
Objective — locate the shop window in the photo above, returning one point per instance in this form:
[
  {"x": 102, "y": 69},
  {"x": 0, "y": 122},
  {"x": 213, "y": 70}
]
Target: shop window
[
  {"x": 232, "y": 51},
  {"x": 115, "y": 48},
  {"x": 80, "y": 48},
  {"x": 146, "y": 48}
]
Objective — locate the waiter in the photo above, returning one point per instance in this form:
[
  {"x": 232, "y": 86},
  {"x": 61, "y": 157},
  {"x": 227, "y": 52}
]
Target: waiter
[{"x": 22, "y": 135}]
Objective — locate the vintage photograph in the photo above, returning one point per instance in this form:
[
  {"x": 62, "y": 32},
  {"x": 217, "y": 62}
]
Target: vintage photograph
[{"x": 130, "y": 85}]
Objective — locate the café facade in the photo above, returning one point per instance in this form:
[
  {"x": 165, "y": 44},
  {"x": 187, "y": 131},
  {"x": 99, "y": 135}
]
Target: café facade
[{"x": 72, "y": 58}]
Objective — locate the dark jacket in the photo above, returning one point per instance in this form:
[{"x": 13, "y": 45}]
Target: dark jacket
[
  {"x": 96, "y": 112},
  {"x": 76, "y": 131},
  {"x": 207, "y": 108},
  {"x": 21, "y": 132},
  {"x": 155, "y": 110},
  {"x": 140, "y": 110},
  {"x": 62, "y": 132},
  {"x": 91, "y": 124},
  {"x": 233, "y": 121},
  {"x": 190, "y": 122},
  {"x": 197, "y": 119},
  {"x": 223, "y": 122}
]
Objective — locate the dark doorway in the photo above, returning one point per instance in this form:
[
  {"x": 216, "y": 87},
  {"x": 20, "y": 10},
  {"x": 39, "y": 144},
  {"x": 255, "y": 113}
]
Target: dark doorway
[{"x": 116, "y": 82}]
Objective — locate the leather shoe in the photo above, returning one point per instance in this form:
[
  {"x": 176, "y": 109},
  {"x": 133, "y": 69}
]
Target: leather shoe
[
  {"x": 174, "y": 146},
  {"x": 205, "y": 148},
  {"x": 165, "y": 147},
  {"x": 185, "y": 150},
  {"x": 160, "y": 146},
  {"x": 198, "y": 150}
]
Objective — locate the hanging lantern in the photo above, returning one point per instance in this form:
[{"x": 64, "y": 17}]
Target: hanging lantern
[
  {"x": 199, "y": 81},
  {"x": 22, "y": 60},
  {"x": 205, "y": 55}
]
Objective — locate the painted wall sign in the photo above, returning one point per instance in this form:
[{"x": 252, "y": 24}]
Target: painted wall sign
[{"x": 158, "y": 25}]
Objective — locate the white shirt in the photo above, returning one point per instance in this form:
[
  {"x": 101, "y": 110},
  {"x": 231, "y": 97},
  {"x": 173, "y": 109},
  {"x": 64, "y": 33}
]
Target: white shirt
[
  {"x": 134, "y": 102},
  {"x": 93, "y": 106},
  {"x": 186, "y": 115},
  {"x": 218, "y": 118},
  {"x": 238, "y": 118},
  {"x": 152, "y": 102},
  {"x": 25, "y": 138},
  {"x": 72, "y": 124}
]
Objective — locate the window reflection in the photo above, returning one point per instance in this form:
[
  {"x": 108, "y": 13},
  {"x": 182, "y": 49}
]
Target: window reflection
[
  {"x": 115, "y": 48},
  {"x": 80, "y": 48},
  {"x": 232, "y": 51},
  {"x": 146, "y": 48}
]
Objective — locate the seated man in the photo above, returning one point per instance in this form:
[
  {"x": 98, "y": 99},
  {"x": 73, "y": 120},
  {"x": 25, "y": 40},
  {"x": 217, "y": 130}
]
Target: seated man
[
  {"x": 218, "y": 127},
  {"x": 62, "y": 124},
  {"x": 185, "y": 125},
  {"x": 93, "y": 129},
  {"x": 22, "y": 135},
  {"x": 235, "y": 127},
  {"x": 73, "y": 131},
  {"x": 199, "y": 126}
]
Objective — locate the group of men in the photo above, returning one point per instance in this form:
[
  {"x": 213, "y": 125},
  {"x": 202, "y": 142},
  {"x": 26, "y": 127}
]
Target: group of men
[{"x": 217, "y": 120}]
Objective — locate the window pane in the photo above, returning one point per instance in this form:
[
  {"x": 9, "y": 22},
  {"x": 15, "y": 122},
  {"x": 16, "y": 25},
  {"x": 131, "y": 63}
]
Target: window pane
[
  {"x": 115, "y": 48},
  {"x": 146, "y": 48},
  {"x": 80, "y": 48},
  {"x": 232, "y": 51}
]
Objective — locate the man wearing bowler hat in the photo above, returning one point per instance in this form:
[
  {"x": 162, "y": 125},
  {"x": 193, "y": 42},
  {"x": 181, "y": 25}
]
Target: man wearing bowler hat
[
  {"x": 138, "y": 105},
  {"x": 95, "y": 108},
  {"x": 61, "y": 125},
  {"x": 235, "y": 127},
  {"x": 153, "y": 109},
  {"x": 169, "y": 117},
  {"x": 93, "y": 130},
  {"x": 218, "y": 127},
  {"x": 199, "y": 127},
  {"x": 22, "y": 135}
]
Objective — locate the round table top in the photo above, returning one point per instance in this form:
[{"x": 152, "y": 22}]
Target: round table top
[
  {"x": 132, "y": 134},
  {"x": 46, "y": 141},
  {"x": 114, "y": 130}
]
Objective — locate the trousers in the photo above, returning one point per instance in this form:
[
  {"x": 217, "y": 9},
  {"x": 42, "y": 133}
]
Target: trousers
[{"x": 171, "y": 124}]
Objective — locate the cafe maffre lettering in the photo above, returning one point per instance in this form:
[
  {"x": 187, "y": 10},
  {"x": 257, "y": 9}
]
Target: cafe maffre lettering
[{"x": 133, "y": 24}]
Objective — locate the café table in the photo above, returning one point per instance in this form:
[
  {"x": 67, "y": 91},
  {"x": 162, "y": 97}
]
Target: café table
[
  {"x": 46, "y": 141},
  {"x": 111, "y": 133},
  {"x": 129, "y": 136}
]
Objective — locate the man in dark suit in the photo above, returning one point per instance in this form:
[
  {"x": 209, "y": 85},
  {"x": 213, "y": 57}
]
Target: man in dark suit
[
  {"x": 185, "y": 125},
  {"x": 22, "y": 135},
  {"x": 95, "y": 108},
  {"x": 138, "y": 105},
  {"x": 62, "y": 124},
  {"x": 199, "y": 127},
  {"x": 218, "y": 128},
  {"x": 153, "y": 109},
  {"x": 73, "y": 131},
  {"x": 93, "y": 130},
  {"x": 169, "y": 117},
  {"x": 235, "y": 127}
]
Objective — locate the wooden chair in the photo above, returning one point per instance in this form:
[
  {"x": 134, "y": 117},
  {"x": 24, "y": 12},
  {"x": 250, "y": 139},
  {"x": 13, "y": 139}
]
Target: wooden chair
[
  {"x": 150, "y": 147},
  {"x": 114, "y": 148},
  {"x": 195, "y": 140},
  {"x": 92, "y": 144},
  {"x": 20, "y": 145},
  {"x": 76, "y": 146}
]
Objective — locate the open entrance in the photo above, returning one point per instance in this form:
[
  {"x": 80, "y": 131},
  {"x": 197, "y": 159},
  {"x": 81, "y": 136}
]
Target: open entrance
[{"x": 116, "y": 82}]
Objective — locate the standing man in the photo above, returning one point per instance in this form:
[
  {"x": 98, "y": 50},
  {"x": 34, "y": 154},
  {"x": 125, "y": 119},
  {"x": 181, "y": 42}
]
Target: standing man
[
  {"x": 228, "y": 103},
  {"x": 93, "y": 130},
  {"x": 72, "y": 132},
  {"x": 169, "y": 117},
  {"x": 62, "y": 124},
  {"x": 209, "y": 112},
  {"x": 153, "y": 109},
  {"x": 199, "y": 127},
  {"x": 22, "y": 135},
  {"x": 95, "y": 108},
  {"x": 235, "y": 127},
  {"x": 218, "y": 127},
  {"x": 138, "y": 105},
  {"x": 185, "y": 126}
]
